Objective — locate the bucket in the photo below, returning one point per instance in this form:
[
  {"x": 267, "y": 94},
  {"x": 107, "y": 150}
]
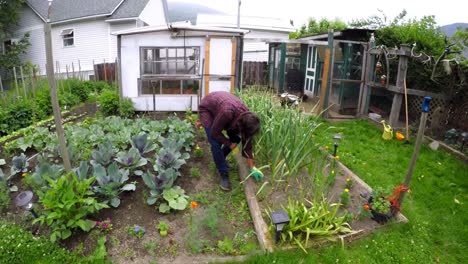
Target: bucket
[{"x": 388, "y": 131}]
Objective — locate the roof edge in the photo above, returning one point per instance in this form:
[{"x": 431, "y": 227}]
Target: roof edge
[
  {"x": 117, "y": 7},
  {"x": 78, "y": 18},
  {"x": 35, "y": 11}
]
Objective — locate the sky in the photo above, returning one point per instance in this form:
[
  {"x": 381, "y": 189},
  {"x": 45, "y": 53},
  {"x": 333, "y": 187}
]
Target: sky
[{"x": 446, "y": 12}]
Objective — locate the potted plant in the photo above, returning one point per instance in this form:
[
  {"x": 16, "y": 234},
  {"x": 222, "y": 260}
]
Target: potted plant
[{"x": 380, "y": 207}]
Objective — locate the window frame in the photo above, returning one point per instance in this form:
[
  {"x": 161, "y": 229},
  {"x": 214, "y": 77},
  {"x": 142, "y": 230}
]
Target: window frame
[
  {"x": 170, "y": 75},
  {"x": 66, "y": 35}
]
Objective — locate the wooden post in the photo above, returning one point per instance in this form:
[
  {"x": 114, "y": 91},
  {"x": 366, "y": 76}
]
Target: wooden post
[
  {"x": 73, "y": 70},
  {"x": 16, "y": 81},
  {"x": 33, "y": 83},
  {"x": 53, "y": 94},
  {"x": 398, "y": 97},
  {"x": 326, "y": 77},
  {"x": 233, "y": 63},
  {"x": 79, "y": 71},
  {"x": 365, "y": 93},
  {"x": 1, "y": 85},
  {"x": 66, "y": 68},
  {"x": 207, "y": 66},
  {"x": 22, "y": 82},
  {"x": 105, "y": 71}
]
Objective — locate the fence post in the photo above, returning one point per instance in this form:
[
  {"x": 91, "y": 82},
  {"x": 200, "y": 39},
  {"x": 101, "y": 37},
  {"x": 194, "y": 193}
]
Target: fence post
[
  {"x": 80, "y": 77},
  {"x": 105, "y": 72},
  {"x": 398, "y": 97},
  {"x": 16, "y": 81},
  {"x": 22, "y": 81}
]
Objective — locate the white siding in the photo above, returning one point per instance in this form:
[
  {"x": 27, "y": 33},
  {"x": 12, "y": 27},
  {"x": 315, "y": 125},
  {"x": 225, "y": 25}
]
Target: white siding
[
  {"x": 30, "y": 23},
  {"x": 114, "y": 27},
  {"x": 131, "y": 70},
  {"x": 91, "y": 42}
]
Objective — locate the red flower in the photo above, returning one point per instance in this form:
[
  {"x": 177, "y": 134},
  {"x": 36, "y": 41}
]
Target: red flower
[
  {"x": 366, "y": 207},
  {"x": 194, "y": 205}
]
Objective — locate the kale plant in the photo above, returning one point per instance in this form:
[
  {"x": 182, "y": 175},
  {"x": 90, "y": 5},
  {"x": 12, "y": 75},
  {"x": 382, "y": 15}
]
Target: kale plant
[
  {"x": 82, "y": 171},
  {"x": 111, "y": 183},
  {"x": 142, "y": 143}
]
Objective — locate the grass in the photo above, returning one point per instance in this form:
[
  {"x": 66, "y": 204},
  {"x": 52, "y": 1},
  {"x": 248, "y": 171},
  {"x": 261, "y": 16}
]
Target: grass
[{"x": 436, "y": 206}]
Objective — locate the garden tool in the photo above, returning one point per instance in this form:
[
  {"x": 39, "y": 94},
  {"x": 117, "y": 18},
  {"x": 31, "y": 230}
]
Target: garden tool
[
  {"x": 256, "y": 173},
  {"x": 388, "y": 131},
  {"x": 417, "y": 146},
  {"x": 406, "y": 113}
]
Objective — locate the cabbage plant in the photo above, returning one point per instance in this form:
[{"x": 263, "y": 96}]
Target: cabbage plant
[
  {"x": 111, "y": 182},
  {"x": 131, "y": 160}
]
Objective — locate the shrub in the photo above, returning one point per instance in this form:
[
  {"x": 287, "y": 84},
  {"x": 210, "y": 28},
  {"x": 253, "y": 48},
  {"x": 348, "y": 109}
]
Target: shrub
[
  {"x": 20, "y": 246},
  {"x": 108, "y": 102},
  {"x": 126, "y": 108},
  {"x": 77, "y": 88},
  {"x": 42, "y": 104},
  {"x": 17, "y": 115}
]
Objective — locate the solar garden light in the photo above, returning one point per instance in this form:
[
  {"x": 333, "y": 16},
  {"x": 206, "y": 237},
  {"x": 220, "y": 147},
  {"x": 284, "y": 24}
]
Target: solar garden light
[
  {"x": 336, "y": 137},
  {"x": 24, "y": 199},
  {"x": 464, "y": 138},
  {"x": 279, "y": 218}
]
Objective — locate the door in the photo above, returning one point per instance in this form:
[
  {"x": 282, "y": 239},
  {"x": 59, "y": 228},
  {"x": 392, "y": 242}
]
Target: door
[{"x": 310, "y": 76}]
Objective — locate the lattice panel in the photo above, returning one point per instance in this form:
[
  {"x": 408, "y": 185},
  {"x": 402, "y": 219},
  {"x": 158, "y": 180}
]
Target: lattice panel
[{"x": 415, "y": 106}]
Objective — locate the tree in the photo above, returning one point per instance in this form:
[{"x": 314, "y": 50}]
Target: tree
[
  {"x": 11, "y": 55},
  {"x": 313, "y": 27}
]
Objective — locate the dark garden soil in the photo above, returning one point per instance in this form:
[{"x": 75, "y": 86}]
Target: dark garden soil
[{"x": 180, "y": 243}]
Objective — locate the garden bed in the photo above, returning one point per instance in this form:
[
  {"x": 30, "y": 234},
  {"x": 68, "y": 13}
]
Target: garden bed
[{"x": 218, "y": 225}]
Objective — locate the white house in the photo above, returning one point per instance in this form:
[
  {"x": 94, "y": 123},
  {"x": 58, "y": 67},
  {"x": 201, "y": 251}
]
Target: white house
[
  {"x": 170, "y": 67},
  {"x": 81, "y": 30},
  {"x": 261, "y": 29}
]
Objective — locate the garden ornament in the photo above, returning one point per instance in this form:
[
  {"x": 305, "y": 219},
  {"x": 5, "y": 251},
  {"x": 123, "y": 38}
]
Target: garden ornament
[
  {"x": 289, "y": 99},
  {"x": 279, "y": 218},
  {"x": 451, "y": 136},
  {"x": 24, "y": 199},
  {"x": 388, "y": 131}
]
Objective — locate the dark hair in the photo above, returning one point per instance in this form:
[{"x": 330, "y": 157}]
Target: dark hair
[{"x": 249, "y": 124}]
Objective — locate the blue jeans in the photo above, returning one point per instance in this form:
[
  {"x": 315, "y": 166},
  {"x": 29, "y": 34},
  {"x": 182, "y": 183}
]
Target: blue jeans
[{"x": 220, "y": 151}]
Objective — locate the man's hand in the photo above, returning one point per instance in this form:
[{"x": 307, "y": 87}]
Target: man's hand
[{"x": 256, "y": 173}]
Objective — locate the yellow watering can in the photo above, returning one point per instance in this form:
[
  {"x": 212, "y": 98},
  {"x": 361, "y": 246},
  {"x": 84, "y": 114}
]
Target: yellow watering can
[{"x": 388, "y": 131}]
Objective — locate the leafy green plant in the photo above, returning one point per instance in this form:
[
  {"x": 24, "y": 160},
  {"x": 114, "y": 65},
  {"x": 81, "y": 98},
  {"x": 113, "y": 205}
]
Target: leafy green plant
[
  {"x": 103, "y": 155},
  {"x": 348, "y": 183},
  {"x": 43, "y": 173},
  {"x": 198, "y": 152},
  {"x": 170, "y": 156},
  {"x": 226, "y": 246},
  {"x": 344, "y": 197},
  {"x": 320, "y": 219},
  {"x": 66, "y": 205},
  {"x": 158, "y": 183},
  {"x": 126, "y": 108},
  {"x": 19, "y": 164},
  {"x": 108, "y": 102},
  {"x": 20, "y": 246},
  {"x": 4, "y": 194},
  {"x": 142, "y": 143},
  {"x": 111, "y": 183},
  {"x": 163, "y": 227},
  {"x": 175, "y": 198},
  {"x": 82, "y": 171},
  {"x": 195, "y": 172},
  {"x": 131, "y": 160},
  {"x": 211, "y": 220},
  {"x": 137, "y": 231},
  {"x": 379, "y": 203}
]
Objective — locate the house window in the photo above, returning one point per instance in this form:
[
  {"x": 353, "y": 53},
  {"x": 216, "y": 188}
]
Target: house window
[
  {"x": 67, "y": 37},
  {"x": 170, "y": 70}
]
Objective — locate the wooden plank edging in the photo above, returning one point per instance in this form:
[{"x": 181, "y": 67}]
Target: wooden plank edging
[{"x": 261, "y": 228}]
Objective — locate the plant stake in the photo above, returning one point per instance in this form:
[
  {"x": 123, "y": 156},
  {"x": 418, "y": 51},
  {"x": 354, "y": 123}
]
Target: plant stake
[{"x": 422, "y": 125}]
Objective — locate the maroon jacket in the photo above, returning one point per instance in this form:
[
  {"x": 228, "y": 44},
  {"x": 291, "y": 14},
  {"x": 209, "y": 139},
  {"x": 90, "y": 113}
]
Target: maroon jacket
[{"x": 220, "y": 111}]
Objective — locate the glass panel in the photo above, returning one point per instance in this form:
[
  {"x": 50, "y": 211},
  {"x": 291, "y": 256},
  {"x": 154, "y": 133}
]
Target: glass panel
[
  {"x": 171, "y": 53},
  {"x": 171, "y": 67},
  {"x": 148, "y": 54},
  {"x": 190, "y": 86},
  {"x": 171, "y": 87},
  {"x": 147, "y": 68},
  {"x": 147, "y": 87},
  {"x": 159, "y": 67},
  {"x": 68, "y": 42},
  {"x": 160, "y": 54}
]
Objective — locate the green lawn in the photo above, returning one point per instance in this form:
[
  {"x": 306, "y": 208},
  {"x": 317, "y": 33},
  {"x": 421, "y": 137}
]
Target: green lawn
[{"x": 436, "y": 206}]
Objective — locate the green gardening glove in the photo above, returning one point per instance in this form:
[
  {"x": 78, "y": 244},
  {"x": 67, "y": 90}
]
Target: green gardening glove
[{"x": 256, "y": 173}]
